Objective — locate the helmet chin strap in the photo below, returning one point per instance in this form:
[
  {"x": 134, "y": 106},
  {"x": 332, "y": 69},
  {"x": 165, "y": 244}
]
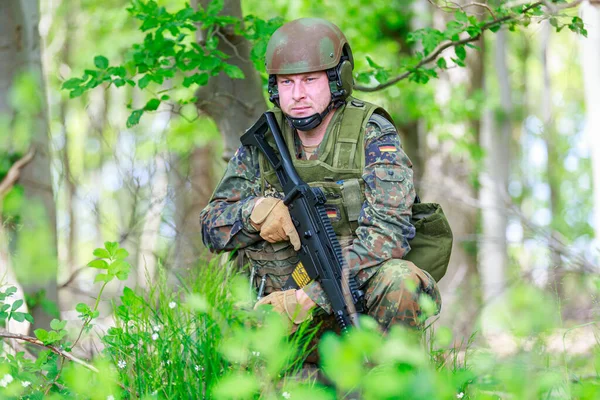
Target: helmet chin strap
[{"x": 312, "y": 121}]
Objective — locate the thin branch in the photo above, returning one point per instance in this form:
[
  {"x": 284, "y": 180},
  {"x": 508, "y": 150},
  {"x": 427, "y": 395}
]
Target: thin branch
[
  {"x": 462, "y": 7},
  {"x": 54, "y": 349},
  {"x": 15, "y": 172},
  {"x": 433, "y": 56},
  {"x": 233, "y": 47},
  {"x": 72, "y": 277}
]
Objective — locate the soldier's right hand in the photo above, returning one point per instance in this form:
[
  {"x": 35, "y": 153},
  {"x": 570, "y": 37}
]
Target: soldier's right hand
[{"x": 272, "y": 219}]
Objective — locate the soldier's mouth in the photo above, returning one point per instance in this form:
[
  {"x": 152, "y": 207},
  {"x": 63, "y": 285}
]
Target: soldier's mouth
[{"x": 300, "y": 109}]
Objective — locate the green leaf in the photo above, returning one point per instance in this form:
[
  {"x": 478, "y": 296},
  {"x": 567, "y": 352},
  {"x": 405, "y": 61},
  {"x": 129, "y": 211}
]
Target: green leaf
[
  {"x": 363, "y": 77},
  {"x": 122, "y": 275},
  {"x": 373, "y": 64},
  {"x": 101, "y": 253},
  {"x": 134, "y": 118},
  {"x": 121, "y": 254},
  {"x": 76, "y": 93},
  {"x": 82, "y": 308},
  {"x": 103, "y": 278},
  {"x": 41, "y": 334},
  {"x": 18, "y": 316},
  {"x": 29, "y": 318},
  {"x": 100, "y": 264},
  {"x": 237, "y": 386},
  {"x": 214, "y": 7},
  {"x": 119, "y": 82},
  {"x": 460, "y": 51},
  {"x": 17, "y": 304},
  {"x": 199, "y": 79},
  {"x": 441, "y": 62},
  {"x": 152, "y": 105},
  {"x": 111, "y": 247},
  {"x": 381, "y": 76},
  {"x": 11, "y": 290},
  {"x": 119, "y": 266},
  {"x": 144, "y": 81},
  {"x": 4, "y": 307},
  {"x": 57, "y": 325},
  {"x": 233, "y": 71},
  {"x": 461, "y": 16},
  {"x": 101, "y": 62},
  {"x": 165, "y": 97},
  {"x": 3, "y": 315},
  {"x": 72, "y": 83}
]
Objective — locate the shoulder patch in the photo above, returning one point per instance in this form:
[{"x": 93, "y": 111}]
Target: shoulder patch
[{"x": 383, "y": 124}]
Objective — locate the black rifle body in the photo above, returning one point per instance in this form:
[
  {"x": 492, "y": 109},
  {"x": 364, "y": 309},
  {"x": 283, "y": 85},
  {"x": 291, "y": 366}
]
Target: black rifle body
[{"x": 321, "y": 253}]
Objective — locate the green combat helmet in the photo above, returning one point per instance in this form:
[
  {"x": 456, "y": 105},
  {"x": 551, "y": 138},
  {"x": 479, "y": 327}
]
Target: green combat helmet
[{"x": 309, "y": 45}]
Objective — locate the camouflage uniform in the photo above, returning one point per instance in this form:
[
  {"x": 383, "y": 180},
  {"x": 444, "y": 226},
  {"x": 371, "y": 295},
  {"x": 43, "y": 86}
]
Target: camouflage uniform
[
  {"x": 392, "y": 286},
  {"x": 360, "y": 166}
]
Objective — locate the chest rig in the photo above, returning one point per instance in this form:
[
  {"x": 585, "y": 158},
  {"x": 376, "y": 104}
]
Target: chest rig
[{"x": 337, "y": 171}]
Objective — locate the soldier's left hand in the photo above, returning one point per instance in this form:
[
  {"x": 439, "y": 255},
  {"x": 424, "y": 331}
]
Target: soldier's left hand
[{"x": 286, "y": 303}]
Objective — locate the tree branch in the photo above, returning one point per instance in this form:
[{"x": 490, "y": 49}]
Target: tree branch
[
  {"x": 434, "y": 55},
  {"x": 462, "y": 7},
  {"x": 54, "y": 349},
  {"x": 15, "y": 172}
]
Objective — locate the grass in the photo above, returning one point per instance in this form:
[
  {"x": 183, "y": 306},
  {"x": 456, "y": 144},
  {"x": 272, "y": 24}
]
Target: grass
[{"x": 201, "y": 339}]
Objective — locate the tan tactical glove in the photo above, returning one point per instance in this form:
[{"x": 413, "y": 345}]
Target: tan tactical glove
[
  {"x": 286, "y": 304},
  {"x": 272, "y": 218}
]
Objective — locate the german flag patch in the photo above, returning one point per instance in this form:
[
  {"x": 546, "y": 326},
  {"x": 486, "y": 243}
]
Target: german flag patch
[
  {"x": 387, "y": 148},
  {"x": 333, "y": 213}
]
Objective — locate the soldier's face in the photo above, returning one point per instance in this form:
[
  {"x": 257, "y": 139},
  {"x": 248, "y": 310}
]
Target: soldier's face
[{"x": 302, "y": 95}]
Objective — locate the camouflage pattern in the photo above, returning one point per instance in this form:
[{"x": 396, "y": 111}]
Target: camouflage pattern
[
  {"x": 393, "y": 296},
  {"x": 373, "y": 254},
  {"x": 304, "y": 45}
]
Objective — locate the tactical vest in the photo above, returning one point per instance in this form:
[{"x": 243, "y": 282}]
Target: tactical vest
[
  {"x": 338, "y": 172},
  {"x": 339, "y": 168}
]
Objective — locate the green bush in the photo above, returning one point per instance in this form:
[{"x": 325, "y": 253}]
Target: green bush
[{"x": 202, "y": 339}]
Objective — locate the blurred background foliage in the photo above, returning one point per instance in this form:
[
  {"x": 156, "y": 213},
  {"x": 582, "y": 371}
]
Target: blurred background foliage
[{"x": 527, "y": 285}]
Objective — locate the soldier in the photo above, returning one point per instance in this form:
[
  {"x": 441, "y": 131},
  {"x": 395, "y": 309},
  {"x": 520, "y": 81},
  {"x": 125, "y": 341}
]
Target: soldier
[{"x": 351, "y": 150}]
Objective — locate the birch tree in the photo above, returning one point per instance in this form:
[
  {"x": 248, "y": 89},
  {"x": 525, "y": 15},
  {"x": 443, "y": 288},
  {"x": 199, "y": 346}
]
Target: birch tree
[
  {"x": 495, "y": 136},
  {"x": 33, "y": 233},
  {"x": 590, "y": 59}
]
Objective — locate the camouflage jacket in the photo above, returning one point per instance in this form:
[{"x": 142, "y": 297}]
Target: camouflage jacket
[{"x": 384, "y": 227}]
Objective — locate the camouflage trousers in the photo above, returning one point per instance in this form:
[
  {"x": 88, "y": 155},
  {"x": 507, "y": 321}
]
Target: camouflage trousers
[{"x": 398, "y": 293}]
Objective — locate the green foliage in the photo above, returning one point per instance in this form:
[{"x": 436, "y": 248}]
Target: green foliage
[
  {"x": 171, "y": 51},
  {"x": 111, "y": 259},
  {"x": 9, "y": 311},
  {"x": 205, "y": 338}
]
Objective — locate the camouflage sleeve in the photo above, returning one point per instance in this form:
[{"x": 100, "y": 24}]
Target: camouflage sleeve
[
  {"x": 225, "y": 220},
  {"x": 384, "y": 223}
]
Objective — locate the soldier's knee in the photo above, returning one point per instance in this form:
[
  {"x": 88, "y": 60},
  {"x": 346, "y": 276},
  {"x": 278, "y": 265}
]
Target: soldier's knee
[
  {"x": 400, "y": 274},
  {"x": 405, "y": 292}
]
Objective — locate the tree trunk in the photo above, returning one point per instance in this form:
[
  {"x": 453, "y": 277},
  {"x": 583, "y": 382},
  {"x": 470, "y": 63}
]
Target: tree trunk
[
  {"x": 495, "y": 141},
  {"x": 590, "y": 54},
  {"x": 34, "y": 243},
  {"x": 71, "y": 256},
  {"x": 447, "y": 180},
  {"x": 555, "y": 269},
  {"x": 146, "y": 263},
  {"x": 234, "y": 105}
]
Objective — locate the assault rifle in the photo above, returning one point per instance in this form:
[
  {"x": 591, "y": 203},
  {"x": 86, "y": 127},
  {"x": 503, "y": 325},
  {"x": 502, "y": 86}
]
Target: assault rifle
[{"x": 320, "y": 254}]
